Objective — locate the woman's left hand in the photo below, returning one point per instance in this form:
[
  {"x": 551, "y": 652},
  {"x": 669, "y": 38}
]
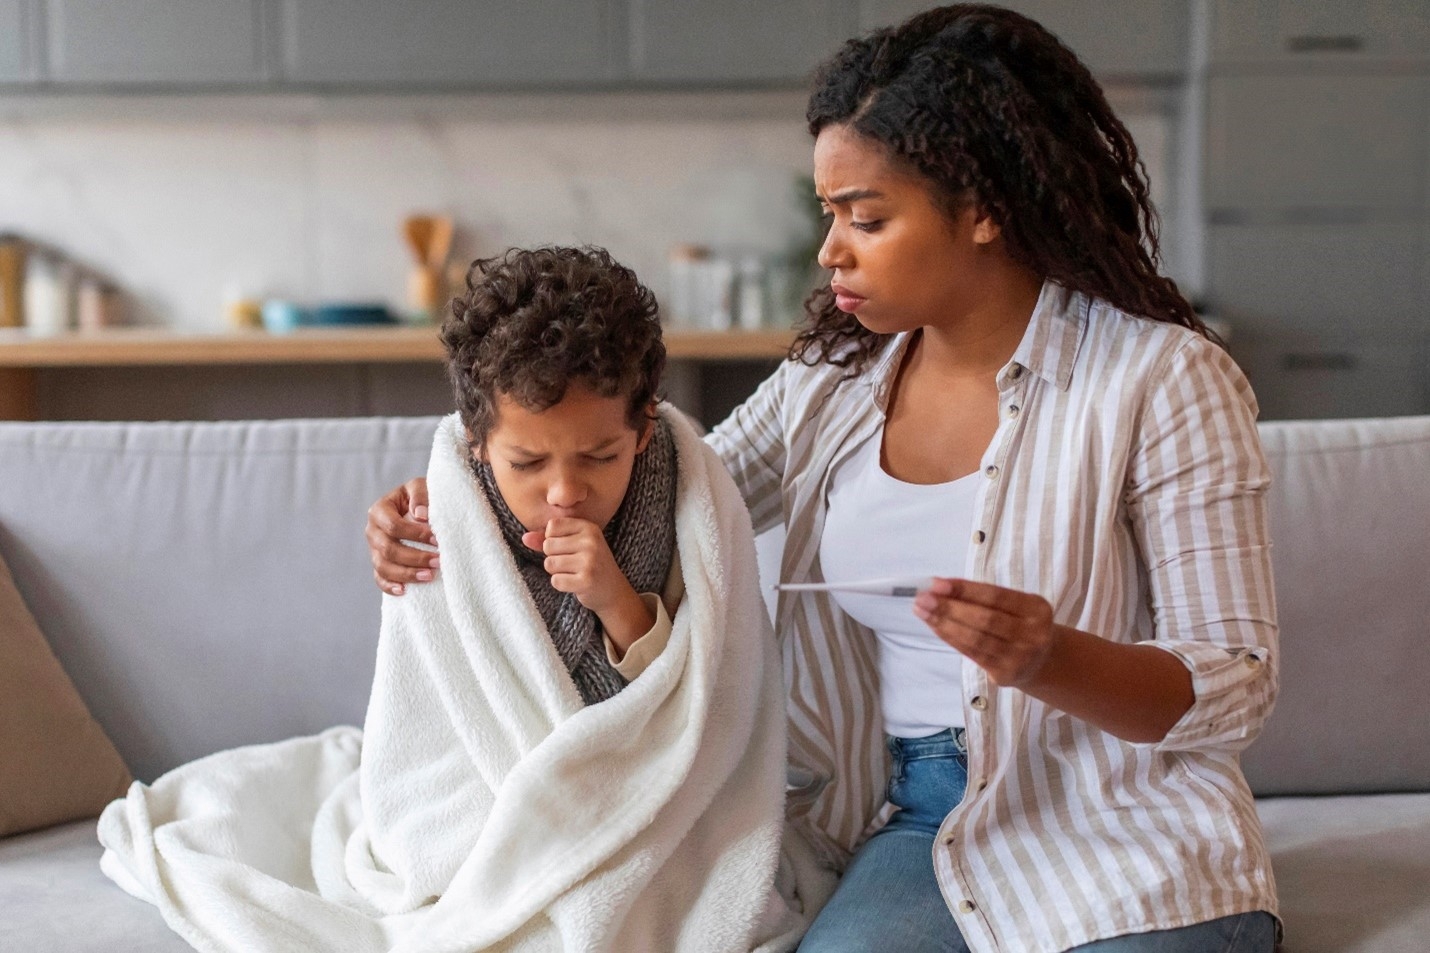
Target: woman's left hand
[{"x": 1007, "y": 633}]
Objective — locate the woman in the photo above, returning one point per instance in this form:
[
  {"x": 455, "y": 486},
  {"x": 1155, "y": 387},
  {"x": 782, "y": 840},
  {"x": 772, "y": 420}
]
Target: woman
[{"x": 998, "y": 390}]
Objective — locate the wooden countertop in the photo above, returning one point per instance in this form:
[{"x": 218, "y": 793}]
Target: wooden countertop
[{"x": 125, "y": 347}]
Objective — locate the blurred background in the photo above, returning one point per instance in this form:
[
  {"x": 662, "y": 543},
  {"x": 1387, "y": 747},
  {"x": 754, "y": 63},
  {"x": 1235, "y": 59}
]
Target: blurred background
[{"x": 257, "y": 208}]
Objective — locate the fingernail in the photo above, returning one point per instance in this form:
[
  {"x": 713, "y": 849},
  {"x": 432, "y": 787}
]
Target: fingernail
[
  {"x": 396, "y": 590},
  {"x": 424, "y": 575},
  {"x": 436, "y": 563},
  {"x": 420, "y": 514}
]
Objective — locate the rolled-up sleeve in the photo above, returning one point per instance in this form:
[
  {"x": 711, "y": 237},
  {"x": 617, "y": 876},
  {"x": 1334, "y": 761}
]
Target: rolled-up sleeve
[
  {"x": 1196, "y": 499},
  {"x": 648, "y": 647}
]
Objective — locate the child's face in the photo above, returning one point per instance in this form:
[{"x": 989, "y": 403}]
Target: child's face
[{"x": 571, "y": 459}]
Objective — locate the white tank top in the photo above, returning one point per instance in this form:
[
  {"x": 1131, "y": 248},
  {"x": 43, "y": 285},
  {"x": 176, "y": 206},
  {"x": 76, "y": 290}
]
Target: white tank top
[{"x": 878, "y": 526}]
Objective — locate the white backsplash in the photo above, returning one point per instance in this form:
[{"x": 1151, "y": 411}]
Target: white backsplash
[{"x": 178, "y": 200}]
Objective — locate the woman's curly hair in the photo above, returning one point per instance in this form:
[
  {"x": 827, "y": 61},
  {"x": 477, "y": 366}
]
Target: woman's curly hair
[
  {"x": 534, "y": 321},
  {"x": 996, "y": 113}
]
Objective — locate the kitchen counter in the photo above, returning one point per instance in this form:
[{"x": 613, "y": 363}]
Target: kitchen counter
[{"x": 24, "y": 356}]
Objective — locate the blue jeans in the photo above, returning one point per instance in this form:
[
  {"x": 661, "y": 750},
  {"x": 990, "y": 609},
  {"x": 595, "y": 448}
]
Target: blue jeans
[{"x": 889, "y": 898}]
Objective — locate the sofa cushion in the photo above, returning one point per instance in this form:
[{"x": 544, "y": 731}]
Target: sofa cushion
[
  {"x": 58, "y": 763},
  {"x": 1351, "y": 872},
  {"x": 55, "y": 900},
  {"x": 1350, "y": 529},
  {"x": 205, "y": 585}
]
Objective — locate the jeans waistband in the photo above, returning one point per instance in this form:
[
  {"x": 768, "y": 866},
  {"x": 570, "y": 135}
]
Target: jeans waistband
[{"x": 949, "y": 743}]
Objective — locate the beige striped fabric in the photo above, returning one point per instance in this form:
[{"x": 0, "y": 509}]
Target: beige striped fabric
[{"x": 1126, "y": 485}]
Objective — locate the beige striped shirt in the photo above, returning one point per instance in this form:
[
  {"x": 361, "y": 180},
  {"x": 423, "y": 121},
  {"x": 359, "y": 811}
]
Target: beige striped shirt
[{"x": 1125, "y": 484}]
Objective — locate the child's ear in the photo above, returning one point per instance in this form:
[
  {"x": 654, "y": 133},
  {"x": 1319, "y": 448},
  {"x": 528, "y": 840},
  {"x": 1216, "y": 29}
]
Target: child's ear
[
  {"x": 651, "y": 416},
  {"x": 478, "y": 450}
]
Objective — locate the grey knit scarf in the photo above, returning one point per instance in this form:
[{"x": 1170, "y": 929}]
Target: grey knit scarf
[{"x": 642, "y": 539}]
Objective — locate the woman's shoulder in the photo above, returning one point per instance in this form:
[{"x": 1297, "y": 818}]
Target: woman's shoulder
[
  {"x": 1157, "y": 343},
  {"x": 1159, "y": 357}
]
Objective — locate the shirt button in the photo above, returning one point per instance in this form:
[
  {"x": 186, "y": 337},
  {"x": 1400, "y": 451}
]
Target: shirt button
[
  {"x": 982, "y": 783},
  {"x": 1012, "y": 410},
  {"x": 978, "y": 702},
  {"x": 1016, "y": 372},
  {"x": 949, "y": 841},
  {"x": 991, "y": 471},
  {"x": 966, "y": 906},
  {"x": 979, "y": 536},
  {"x": 1251, "y": 660}
]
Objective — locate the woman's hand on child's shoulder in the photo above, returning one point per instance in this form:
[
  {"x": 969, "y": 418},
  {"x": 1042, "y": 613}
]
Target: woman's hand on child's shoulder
[{"x": 397, "y": 516}]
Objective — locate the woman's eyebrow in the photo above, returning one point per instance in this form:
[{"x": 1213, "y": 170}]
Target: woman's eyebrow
[{"x": 851, "y": 195}]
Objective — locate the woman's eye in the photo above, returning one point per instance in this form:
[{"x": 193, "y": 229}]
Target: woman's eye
[
  {"x": 603, "y": 459},
  {"x": 866, "y": 226},
  {"x": 523, "y": 466}
]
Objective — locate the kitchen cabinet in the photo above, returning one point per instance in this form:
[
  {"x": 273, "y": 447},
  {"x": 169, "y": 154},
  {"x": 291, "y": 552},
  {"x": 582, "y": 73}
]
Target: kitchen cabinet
[
  {"x": 1315, "y": 33},
  {"x": 1115, "y": 38},
  {"x": 155, "y": 42},
  {"x": 1321, "y": 277},
  {"x": 17, "y": 60},
  {"x": 1303, "y": 376},
  {"x": 1314, "y": 139},
  {"x": 448, "y": 42},
  {"x": 733, "y": 41}
]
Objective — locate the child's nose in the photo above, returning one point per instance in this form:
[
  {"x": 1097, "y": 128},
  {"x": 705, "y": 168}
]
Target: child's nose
[{"x": 565, "y": 491}]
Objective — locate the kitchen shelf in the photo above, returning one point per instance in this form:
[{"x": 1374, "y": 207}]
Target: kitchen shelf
[
  {"x": 129, "y": 347},
  {"x": 163, "y": 364}
]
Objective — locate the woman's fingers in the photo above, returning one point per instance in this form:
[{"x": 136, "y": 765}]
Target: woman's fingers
[{"x": 392, "y": 519}]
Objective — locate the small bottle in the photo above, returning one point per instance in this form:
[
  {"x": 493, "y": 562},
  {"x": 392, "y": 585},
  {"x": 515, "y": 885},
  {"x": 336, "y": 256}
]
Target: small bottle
[
  {"x": 12, "y": 281},
  {"x": 47, "y": 296},
  {"x": 718, "y": 312},
  {"x": 686, "y": 279},
  {"x": 752, "y": 294}
]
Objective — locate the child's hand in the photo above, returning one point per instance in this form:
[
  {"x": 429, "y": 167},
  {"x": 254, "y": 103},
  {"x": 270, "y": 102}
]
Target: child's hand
[{"x": 581, "y": 563}]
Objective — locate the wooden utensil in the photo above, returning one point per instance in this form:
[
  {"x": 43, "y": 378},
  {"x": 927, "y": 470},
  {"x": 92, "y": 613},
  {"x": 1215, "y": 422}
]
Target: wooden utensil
[{"x": 430, "y": 239}]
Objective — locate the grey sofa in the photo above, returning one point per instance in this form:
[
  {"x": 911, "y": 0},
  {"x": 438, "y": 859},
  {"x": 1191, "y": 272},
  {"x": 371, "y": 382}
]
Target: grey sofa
[{"x": 207, "y": 585}]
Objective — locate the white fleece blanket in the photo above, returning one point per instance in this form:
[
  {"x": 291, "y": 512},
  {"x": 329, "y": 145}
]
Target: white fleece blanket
[{"x": 483, "y": 807}]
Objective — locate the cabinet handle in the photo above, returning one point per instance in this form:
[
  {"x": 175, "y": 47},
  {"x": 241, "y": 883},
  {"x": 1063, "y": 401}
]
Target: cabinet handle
[
  {"x": 1319, "y": 361},
  {"x": 1325, "y": 44}
]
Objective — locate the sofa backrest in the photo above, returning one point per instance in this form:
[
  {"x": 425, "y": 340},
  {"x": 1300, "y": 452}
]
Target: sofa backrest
[
  {"x": 1350, "y": 531},
  {"x": 205, "y": 585}
]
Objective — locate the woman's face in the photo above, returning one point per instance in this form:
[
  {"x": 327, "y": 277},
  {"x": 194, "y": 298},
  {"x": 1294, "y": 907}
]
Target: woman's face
[
  {"x": 899, "y": 261},
  {"x": 571, "y": 459}
]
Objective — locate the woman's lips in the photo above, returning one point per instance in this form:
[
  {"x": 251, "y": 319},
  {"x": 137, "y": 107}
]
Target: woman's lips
[{"x": 844, "y": 299}]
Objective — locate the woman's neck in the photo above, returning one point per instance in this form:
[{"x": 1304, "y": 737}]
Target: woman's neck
[{"x": 979, "y": 341}]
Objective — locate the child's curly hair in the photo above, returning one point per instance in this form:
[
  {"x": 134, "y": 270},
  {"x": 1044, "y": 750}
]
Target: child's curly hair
[{"x": 533, "y": 321}]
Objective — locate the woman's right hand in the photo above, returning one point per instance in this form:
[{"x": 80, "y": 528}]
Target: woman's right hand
[{"x": 401, "y": 514}]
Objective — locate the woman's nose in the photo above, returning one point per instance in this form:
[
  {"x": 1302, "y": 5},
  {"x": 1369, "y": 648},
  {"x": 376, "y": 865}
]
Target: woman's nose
[{"x": 833, "y": 254}]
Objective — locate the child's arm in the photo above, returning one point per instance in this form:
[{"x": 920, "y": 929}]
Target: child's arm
[{"x": 581, "y": 563}]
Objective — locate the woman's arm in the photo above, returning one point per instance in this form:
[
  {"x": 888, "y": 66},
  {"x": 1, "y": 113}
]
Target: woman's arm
[
  {"x": 1132, "y": 691},
  {"x": 1195, "y": 499},
  {"x": 752, "y": 443}
]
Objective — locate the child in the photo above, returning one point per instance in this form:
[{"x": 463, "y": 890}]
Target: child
[
  {"x": 555, "y": 356},
  {"x": 575, "y": 734}
]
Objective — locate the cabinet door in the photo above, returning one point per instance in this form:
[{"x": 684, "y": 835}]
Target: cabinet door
[
  {"x": 447, "y": 42},
  {"x": 1265, "y": 31},
  {"x": 734, "y": 41},
  {"x": 1113, "y": 37},
  {"x": 17, "y": 61},
  {"x": 1284, "y": 141},
  {"x": 154, "y": 41},
  {"x": 1309, "y": 376},
  {"x": 1320, "y": 278}
]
